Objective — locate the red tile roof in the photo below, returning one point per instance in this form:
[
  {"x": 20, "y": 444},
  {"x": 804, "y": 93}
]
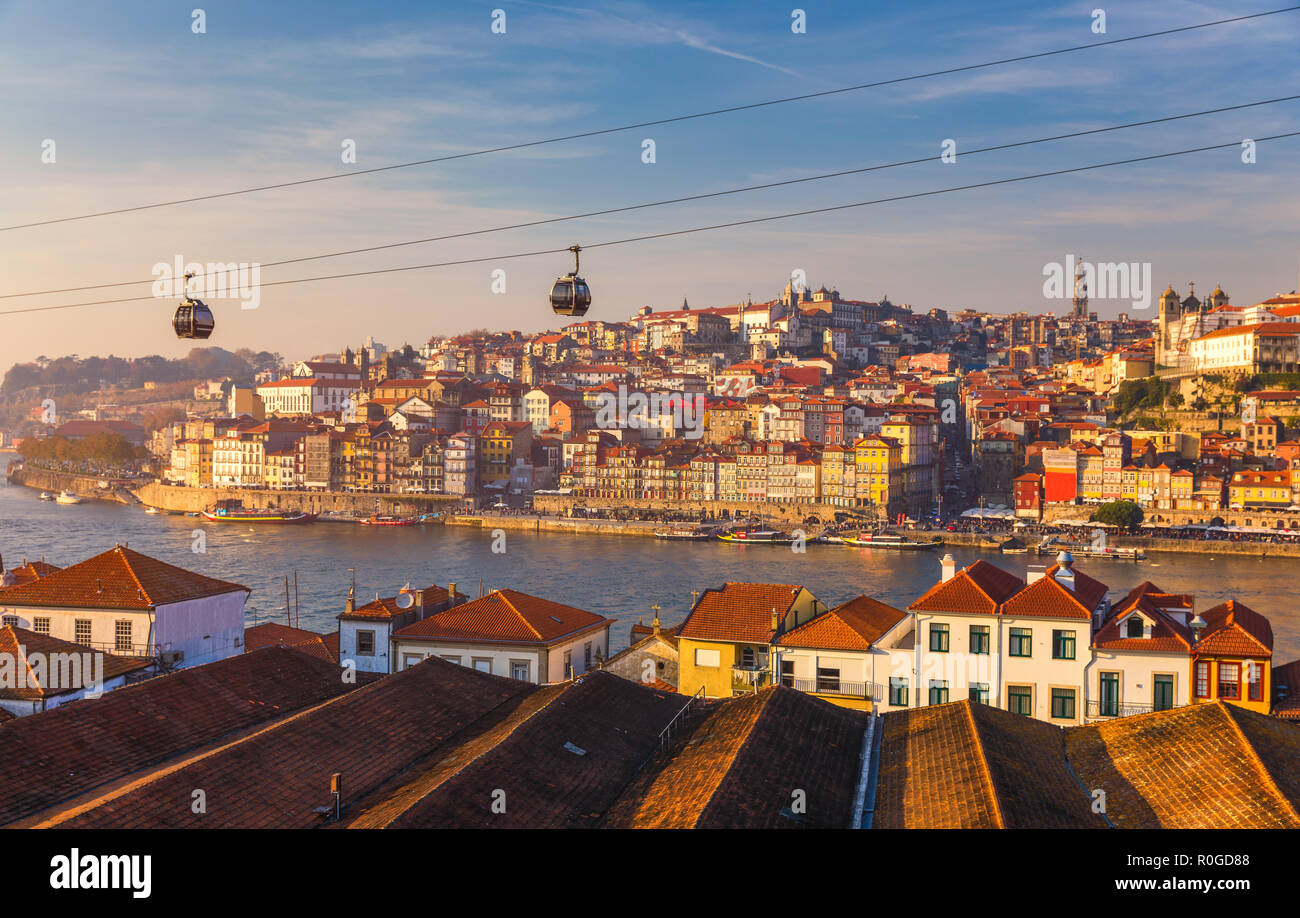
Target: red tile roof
[
  {"x": 120, "y": 578},
  {"x": 385, "y": 608},
  {"x": 506, "y": 616},
  {"x": 854, "y": 625},
  {"x": 978, "y": 589},
  {"x": 273, "y": 634},
  {"x": 1047, "y": 597},
  {"x": 737, "y": 762},
  {"x": 739, "y": 612},
  {"x": 1287, "y": 677},
  {"x": 92, "y": 743},
  {"x": 26, "y": 573},
  {"x": 42, "y": 679},
  {"x": 1233, "y": 629}
]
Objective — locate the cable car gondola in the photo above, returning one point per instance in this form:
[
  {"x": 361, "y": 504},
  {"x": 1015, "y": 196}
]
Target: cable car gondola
[
  {"x": 193, "y": 318},
  {"x": 571, "y": 296}
]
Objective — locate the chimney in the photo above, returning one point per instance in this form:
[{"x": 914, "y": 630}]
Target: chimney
[
  {"x": 351, "y": 604},
  {"x": 451, "y": 595},
  {"x": 1065, "y": 572},
  {"x": 655, "y": 621},
  {"x": 419, "y": 604},
  {"x": 776, "y": 622},
  {"x": 949, "y": 567}
]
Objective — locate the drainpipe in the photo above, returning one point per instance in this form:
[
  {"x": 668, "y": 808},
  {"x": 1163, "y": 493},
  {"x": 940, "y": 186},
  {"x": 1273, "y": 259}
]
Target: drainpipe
[
  {"x": 997, "y": 686},
  {"x": 915, "y": 700}
]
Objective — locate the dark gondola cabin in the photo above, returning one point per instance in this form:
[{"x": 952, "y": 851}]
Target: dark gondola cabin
[
  {"x": 571, "y": 296},
  {"x": 193, "y": 319}
]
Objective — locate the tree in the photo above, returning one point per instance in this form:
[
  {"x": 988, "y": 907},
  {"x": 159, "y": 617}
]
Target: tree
[{"x": 1122, "y": 513}]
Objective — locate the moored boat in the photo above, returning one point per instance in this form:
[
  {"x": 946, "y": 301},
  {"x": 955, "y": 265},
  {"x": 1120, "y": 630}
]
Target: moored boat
[
  {"x": 888, "y": 539},
  {"x": 758, "y": 536},
  {"x": 67, "y": 497},
  {"x": 387, "y": 521},
  {"x": 693, "y": 534},
  {"x": 46, "y": 495}
]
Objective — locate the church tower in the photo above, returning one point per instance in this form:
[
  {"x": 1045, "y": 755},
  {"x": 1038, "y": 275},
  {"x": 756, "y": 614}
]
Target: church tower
[
  {"x": 1170, "y": 313},
  {"x": 1080, "y": 311}
]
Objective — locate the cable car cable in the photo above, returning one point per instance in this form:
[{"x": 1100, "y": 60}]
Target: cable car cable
[
  {"x": 700, "y": 229},
  {"x": 659, "y": 121},
  {"x": 694, "y": 197}
]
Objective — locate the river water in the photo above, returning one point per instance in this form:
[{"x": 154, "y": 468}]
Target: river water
[{"x": 618, "y": 576}]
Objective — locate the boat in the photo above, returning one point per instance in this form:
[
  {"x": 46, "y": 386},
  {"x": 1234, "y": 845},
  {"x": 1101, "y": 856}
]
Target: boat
[
  {"x": 232, "y": 510},
  {"x": 46, "y": 495},
  {"x": 889, "y": 539},
  {"x": 759, "y": 536},
  {"x": 692, "y": 534},
  {"x": 387, "y": 521},
  {"x": 152, "y": 510},
  {"x": 67, "y": 497}
]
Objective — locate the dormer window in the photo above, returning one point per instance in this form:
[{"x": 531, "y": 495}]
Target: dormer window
[{"x": 1135, "y": 627}]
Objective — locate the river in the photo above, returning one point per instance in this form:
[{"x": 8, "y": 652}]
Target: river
[{"x": 618, "y": 576}]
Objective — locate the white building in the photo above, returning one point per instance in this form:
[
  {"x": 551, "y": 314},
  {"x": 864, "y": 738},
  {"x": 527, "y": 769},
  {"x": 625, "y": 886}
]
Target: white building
[
  {"x": 508, "y": 633},
  {"x": 307, "y": 395},
  {"x": 366, "y": 632},
  {"x": 132, "y": 605}
]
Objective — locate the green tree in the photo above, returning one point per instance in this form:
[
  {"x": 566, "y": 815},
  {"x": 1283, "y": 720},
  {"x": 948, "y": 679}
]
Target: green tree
[{"x": 1122, "y": 513}]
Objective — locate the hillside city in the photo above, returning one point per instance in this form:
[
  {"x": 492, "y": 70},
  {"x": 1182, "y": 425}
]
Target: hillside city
[{"x": 811, "y": 410}]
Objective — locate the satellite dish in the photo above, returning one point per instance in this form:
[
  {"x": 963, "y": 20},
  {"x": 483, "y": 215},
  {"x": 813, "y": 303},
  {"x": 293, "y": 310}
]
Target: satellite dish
[{"x": 405, "y": 600}]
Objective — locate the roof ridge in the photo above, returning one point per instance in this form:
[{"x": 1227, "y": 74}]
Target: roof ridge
[
  {"x": 131, "y": 570},
  {"x": 523, "y": 618},
  {"x": 1269, "y": 782},
  {"x": 968, "y": 706}
]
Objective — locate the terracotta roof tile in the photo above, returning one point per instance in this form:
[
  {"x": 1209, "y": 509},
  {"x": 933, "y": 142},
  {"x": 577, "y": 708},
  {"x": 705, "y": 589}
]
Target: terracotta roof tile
[
  {"x": 854, "y": 625},
  {"x": 1288, "y": 677},
  {"x": 120, "y": 578},
  {"x": 1212, "y": 765},
  {"x": 977, "y": 589},
  {"x": 967, "y": 765},
  {"x": 506, "y": 616},
  {"x": 739, "y": 612},
  {"x": 92, "y": 743},
  {"x": 740, "y": 762},
  {"x": 1233, "y": 629},
  {"x": 19, "y": 644}
]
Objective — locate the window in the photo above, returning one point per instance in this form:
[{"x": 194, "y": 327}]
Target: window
[
  {"x": 519, "y": 670},
  {"x": 1134, "y": 627},
  {"x": 366, "y": 644},
  {"x": 568, "y": 663},
  {"x": 979, "y": 639},
  {"x": 1203, "y": 679},
  {"x": 483, "y": 664},
  {"x": 586, "y": 656},
  {"x": 787, "y": 673},
  {"x": 1230, "y": 680},
  {"x": 122, "y": 635},
  {"x": 1254, "y": 674},
  {"x": 979, "y": 692},
  {"x": 452, "y": 658},
  {"x": 898, "y": 691},
  {"x": 1021, "y": 642},
  {"x": 704, "y": 657},
  {"x": 1108, "y": 703},
  {"x": 1063, "y": 703},
  {"x": 938, "y": 692},
  {"x": 9, "y": 621},
  {"x": 939, "y": 638},
  {"x": 1062, "y": 645},
  {"x": 828, "y": 679},
  {"x": 1162, "y": 697},
  {"x": 41, "y": 625},
  {"x": 1020, "y": 699}
]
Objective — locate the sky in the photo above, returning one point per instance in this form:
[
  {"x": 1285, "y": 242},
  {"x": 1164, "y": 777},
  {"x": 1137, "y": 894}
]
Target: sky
[{"x": 142, "y": 109}]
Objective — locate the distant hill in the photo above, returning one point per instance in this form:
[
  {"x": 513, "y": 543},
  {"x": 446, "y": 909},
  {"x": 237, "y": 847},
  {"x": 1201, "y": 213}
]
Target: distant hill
[{"x": 83, "y": 374}]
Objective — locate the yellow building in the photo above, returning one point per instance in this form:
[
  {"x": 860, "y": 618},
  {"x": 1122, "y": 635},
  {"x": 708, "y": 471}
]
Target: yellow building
[
  {"x": 1232, "y": 658},
  {"x": 198, "y": 463},
  {"x": 879, "y": 472},
  {"x": 725, "y": 643},
  {"x": 1260, "y": 490}
]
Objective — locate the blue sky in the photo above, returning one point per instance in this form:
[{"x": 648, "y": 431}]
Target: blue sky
[{"x": 142, "y": 109}]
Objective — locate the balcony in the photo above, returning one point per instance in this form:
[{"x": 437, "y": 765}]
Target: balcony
[
  {"x": 872, "y": 691},
  {"x": 751, "y": 677},
  {"x": 1106, "y": 709}
]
